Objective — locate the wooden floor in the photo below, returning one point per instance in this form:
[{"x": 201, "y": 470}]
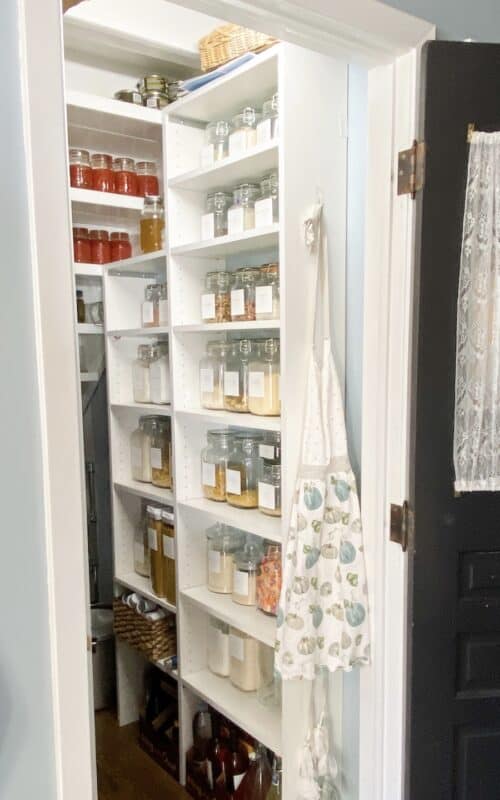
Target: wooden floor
[{"x": 124, "y": 771}]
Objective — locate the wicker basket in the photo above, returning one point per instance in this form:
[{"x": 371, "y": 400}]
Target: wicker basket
[
  {"x": 156, "y": 639},
  {"x": 228, "y": 42}
]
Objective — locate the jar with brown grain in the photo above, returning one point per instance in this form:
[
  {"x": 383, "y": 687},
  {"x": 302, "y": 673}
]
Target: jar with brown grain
[
  {"x": 236, "y": 374},
  {"x": 215, "y": 297},
  {"x": 213, "y": 464},
  {"x": 161, "y": 453},
  {"x": 168, "y": 549},
  {"x": 243, "y": 294},
  {"x": 155, "y": 544}
]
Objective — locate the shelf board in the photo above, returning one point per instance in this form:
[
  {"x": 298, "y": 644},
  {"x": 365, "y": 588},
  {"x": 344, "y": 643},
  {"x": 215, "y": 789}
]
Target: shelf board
[
  {"x": 89, "y": 328},
  {"x": 104, "y": 209},
  {"x": 242, "y": 708},
  {"x": 158, "y": 331},
  {"x": 255, "y": 81},
  {"x": 246, "y": 618},
  {"x": 229, "y": 171},
  {"x": 113, "y": 116},
  {"x": 89, "y": 377},
  {"x": 88, "y": 270},
  {"x": 145, "y": 408},
  {"x": 250, "y": 520},
  {"x": 233, "y": 419},
  {"x": 224, "y": 327},
  {"x": 143, "y": 264},
  {"x": 173, "y": 673},
  {"x": 146, "y": 490},
  {"x": 253, "y": 240},
  {"x": 138, "y": 583}
]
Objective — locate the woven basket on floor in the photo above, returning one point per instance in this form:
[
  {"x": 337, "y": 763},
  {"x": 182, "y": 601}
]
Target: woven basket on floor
[
  {"x": 228, "y": 42},
  {"x": 156, "y": 639}
]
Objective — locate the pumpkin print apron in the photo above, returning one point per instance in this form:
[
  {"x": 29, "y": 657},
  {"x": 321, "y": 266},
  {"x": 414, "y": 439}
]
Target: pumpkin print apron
[{"x": 322, "y": 621}]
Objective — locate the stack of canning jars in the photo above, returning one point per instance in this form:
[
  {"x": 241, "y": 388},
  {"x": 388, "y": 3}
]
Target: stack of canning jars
[
  {"x": 151, "y": 452},
  {"x": 100, "y": 246},
  {"x": 241, "y": 208},
  {"x": 106, "y": 173},
  {"x": 154, "y": 549},
  {"x": 247, "y": 294}
]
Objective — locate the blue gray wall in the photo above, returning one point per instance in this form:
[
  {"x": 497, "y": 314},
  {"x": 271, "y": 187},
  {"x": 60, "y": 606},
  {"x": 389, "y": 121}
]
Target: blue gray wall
[
  {"x": 457, "y": 19},
  {"x": 26, "y": 728}
]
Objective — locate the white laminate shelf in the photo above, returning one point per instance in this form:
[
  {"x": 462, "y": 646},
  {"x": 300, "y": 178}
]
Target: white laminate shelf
[
  {"x": 250, "y": 520},
  {"x": 146, "y": 490},
  {"x": 173, "y": 673},
  {"x": 89, "y": 377},
  {"x": 243, "y": 708},
  {"x": 113, "y": 116},
  {"x": 142, "y": 585},
  {"x": 133, "y": 332},
  {"x": 226, "y": 327},
  {"x": 246, "y": 618},
  {"x": 232, "y": 419},
  {"x": 232, "y": 244},
  {"x": 229, "y": 171},
  {"x": 143, "y": 264},
  {"x": 104, "y": 209},
  {"x": 144, "y": 408},
  {"x": 89, "y": 328},
  {"x": 88, "y": 270}
]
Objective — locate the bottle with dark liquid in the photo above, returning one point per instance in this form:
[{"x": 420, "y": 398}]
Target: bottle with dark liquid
[
  {"x": 239, "y": 761},
  {"x": 257, "y": 781}
]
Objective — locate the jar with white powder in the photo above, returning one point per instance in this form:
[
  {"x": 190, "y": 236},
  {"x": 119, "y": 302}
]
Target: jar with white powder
[
  {"x": 246, "y": 567},
  {"x": 141, "y": 375},
  {"x": 140, "y": 451},
  {"x": 244, "y": 671},
  {"x": 218, "y": 647},
  {"x": 222, "y": 543}
]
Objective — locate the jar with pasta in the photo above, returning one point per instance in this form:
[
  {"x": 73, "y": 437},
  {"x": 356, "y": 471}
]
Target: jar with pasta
[
  {"x": 215, "y": 297},
  {"x": 237, "y": 356},
  {"x": 244, "y": 669},
  {"x": 168, "y": 550},
  {"x": 155, "y": 544},
  {"x": 243, "y": 135},
  {"x": 161, "y": 453},
  {"x": 141, "y": 384},
  {"x": 269, "y": 580},
  {"x": 270, "y": 490},
  {"x": 140, "y": 451},
  {"x": 243, "y": 294},
  {"x": 222, "y": 543},
  {"x": 243, "y": 471},
  {"x": 267, "y": 292},
  {"x": 270, "y": 447},
  {"x": 152, "y": 224},
  {"x": 213, "y": 464},
  {"x": 246, "y": 567},
  {"x": 264, "y": 380},
  {"x": 241, "y": 215},
  {"x": 216, "y": 146},
  {"x": 218, "y": 647},
  {"x": 214, "y": 221},
  {"x": 212, "y": 376},
  {"x": 267, "y": 206}
]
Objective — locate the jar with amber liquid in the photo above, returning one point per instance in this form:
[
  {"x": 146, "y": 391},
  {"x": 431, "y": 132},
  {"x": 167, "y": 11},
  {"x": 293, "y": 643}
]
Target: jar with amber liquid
[
  {"x": 152, "y": 224},
  {"x": 161, "y": 453}
]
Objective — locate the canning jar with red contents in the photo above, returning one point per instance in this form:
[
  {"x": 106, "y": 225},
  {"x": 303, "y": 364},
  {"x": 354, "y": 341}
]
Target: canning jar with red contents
[
  {"x": 125, "y": 176},
  {"x": 147, "y": 180},
  {"x": 100, "y": 247},
  {"x": 81, "y": 246},
  {"x": 80, "y": 171},
  {"x": 103, "y": 177},
  {"x": 120, "y": 245}
]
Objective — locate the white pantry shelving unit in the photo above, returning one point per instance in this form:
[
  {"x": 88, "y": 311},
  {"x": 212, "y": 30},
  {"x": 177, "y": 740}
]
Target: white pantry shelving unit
[{"x": 311, "y": 145}]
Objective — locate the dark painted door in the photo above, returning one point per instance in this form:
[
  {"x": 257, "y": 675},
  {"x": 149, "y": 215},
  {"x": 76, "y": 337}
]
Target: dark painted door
[{"x": 453, "y": 745}]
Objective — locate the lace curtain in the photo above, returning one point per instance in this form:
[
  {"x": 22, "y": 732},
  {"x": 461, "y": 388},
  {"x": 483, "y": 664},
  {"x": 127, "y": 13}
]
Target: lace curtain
[{"x": 477, "y": 387}]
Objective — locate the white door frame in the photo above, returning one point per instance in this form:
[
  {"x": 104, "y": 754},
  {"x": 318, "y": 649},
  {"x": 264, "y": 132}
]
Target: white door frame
[{"x": 358, "y": 30}]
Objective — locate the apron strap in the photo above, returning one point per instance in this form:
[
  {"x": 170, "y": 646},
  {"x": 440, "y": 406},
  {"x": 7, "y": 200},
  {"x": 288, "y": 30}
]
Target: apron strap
[{"x": 316, "y": 241}]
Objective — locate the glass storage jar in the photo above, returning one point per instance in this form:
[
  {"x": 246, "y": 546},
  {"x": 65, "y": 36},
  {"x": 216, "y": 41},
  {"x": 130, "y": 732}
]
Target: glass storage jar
[
  {"x": 120, "y": 245},
  {"x": 269, "y": 691},
  {"x": 141, "y": 385},
  {"x": 213, "y": 464},
  {"x": 264, "y": 380},
  {"x": 159, "y": 375},
  {"x": 168, "y": 550},
  {"x": 141, "y": 550},
  {"x": 214, "y": 221},
  {"x": 80, "y": 306},
  {"x": 218, "y": 647},
  {"x": 80, "y": 171},
  {"x": 241, "y": 215},
  {"x": 212, "y": 376},
  {"x": 140, "y": 451},
  {"x": 81, "y": 246},
  {"x": 216, "y": 144},
  {"x": 267, "y": 292},
  {"x": 222, "y": 543},
  {"x": 161, "y": 319},
  {"x": 100, "y": 247},
  {"x": 269, "y": 579},
  {"x": 161, "y": 453},
  {"x": 246, "y": 566},
  {"x": 243, "y": 135},
  {"x": 152, "y": 224},
  {"x": 236, "y": 360},
  {"x": 243, "y": 471},
  {"x": 270, "y": 447},
  {"x": 267, "y": 206},
  {"x": 148, "y": 306},
  {"x": 243, "y": 294},
  {"x": 215, "y": 297},
  {"x": 125, "y": 176},
  {"x": 243, "y": 661},
  {"x": 147, "y": 179},
  {"x": 155, "y": 544},
  {"x": 270, "y": 490},
  {"x": 268, "y": 126},
  {"x": 103, "y": 179}
]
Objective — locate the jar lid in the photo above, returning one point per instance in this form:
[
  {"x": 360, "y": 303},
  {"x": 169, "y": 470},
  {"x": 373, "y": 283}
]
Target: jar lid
[
  {"x": 128, "y": 96},
  {"x": 146, "y": 167},
  {"x": 249, "y": 558},
  {"x": 221, "y": 436},
  {"x": 273, "y": 471},
  {"x": 270, "y": 269},
  {"x": 124, "y": 165},
  {"x": 154, "y": 512},
  {"x": 145, "y": 351},
  {"x": 226, "y": 535},
  {"x": 154, "y": 82},
  {"x": 167, "y": 516},
  {"x": 119, "y": 236},
  {"x": 153, "y": 199},
  {"x": 101, "y": 160},
  {"x": 80, "y": 233},
  {"x": 76, "y": 154},
  {"x": 102, "y": 236},
  {"x": 220, "y": 127},
  {"x": 248, "y": 116}
]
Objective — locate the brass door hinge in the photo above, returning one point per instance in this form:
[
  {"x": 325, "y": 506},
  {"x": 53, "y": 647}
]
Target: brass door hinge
[
  {"x": 402, "y": 525},
  {"x": 411, "y": 169}
]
